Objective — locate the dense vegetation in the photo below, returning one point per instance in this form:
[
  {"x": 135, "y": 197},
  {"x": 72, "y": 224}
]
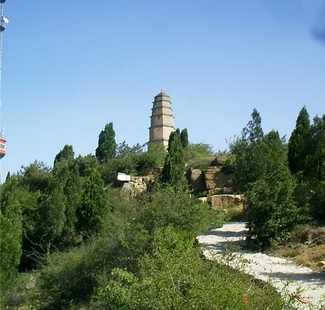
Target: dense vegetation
[
  {"x": 92, "y": 246},
  {"x": 284, "y": 183}
]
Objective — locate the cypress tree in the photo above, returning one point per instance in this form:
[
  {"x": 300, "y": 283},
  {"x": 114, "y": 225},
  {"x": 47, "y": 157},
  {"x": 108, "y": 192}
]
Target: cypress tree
[
  {"x": 52, "y": 216},
  {"x": 94, "y": 206},
  {"x": 106, "y": 144},
  {"x": 316, "y": 159},
  {"x": 299, "y": 143},
  {"x": 184, "y": 138},
  {"x": 66, "y": 153},
  {"x": 174, "y": 167}
]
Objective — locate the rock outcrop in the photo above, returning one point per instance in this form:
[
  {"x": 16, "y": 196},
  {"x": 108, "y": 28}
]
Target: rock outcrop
[
  {"x": 197, "y": 180},
  {"x": 222, "y": 201},
  {"x": 211, "y": 177},
  {"x": 136, "y": 184},
  {"x": 214, "y": 179}
]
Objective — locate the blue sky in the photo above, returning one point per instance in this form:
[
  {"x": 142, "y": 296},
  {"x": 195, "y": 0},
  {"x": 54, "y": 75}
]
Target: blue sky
[{"x": 70, "y": 67}]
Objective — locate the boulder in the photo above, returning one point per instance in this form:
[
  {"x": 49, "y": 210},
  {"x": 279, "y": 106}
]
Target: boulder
[
  {"x": 224, "y": 200},
  {"x": 197, "y": 180},
  {"x": 214, "y": 177},
  {"x": 139, "y": 184}
]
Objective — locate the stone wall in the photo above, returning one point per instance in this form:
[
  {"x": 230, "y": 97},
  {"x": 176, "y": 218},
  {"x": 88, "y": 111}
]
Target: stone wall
[
  {"x": 214, "y": 179},
  {"x": 217, "y": 183}
]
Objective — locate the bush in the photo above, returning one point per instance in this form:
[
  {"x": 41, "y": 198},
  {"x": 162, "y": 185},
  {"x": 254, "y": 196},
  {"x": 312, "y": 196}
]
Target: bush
[
  {"x": 198, "y": 150},
  {"x": 176, "y": 277},
  {"x": 167, "y": 206},
  {"x": 272, "y": 212}
]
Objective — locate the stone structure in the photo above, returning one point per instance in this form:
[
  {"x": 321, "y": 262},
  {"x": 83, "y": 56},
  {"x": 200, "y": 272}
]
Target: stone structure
[
  {"x": 162, "y": 120},
  {"x": 222, "y": 201},
  {"x": 196, "y": 179},
  {"x": 135, "y": 184},
  {"x": 214, "y": 179}
]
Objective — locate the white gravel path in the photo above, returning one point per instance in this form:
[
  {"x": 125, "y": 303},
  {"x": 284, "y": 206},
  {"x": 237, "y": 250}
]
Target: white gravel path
[{"x": 284, "y": 275}]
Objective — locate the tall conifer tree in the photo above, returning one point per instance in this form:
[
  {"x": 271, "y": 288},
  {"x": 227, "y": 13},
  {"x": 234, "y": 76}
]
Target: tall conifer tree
[
  {"x": 66, "y": 153},
  {"x": 184, "y": 138},
  {"x": 174, "y": 167},
  {"x": 94, "y": 206},
  {"x": 299, "y": 143},
  {"x": 106, "y": 144},
  {"x": 316, "y": 158}
]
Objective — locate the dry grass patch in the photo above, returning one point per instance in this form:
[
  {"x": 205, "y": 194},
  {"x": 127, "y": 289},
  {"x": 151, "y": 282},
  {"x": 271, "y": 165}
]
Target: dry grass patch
[{"x": 306, "y": 247}]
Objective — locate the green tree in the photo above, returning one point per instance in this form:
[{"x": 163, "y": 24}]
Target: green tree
[
  {"x": 198, "y": 151},
  {"x": 66, "y": 153},
  {"x": 36, "y": 176},
  {"x": 272, "y": 211},
  {"x": 174, "y": 167},
  {"x": 316, "y": 159},
  {"x": 67, "y": 173},
  {"x": 106, "y": 144},
  {"x": 124, "y": 150},
  {"x": 253, "y": 132},
  {"x": 94, "y": 205},
  {"x": 10, "y": 241},
  {"x": 262, "y": 172},
  {"x": 73, "y": 192},
  {"x": 249, "y": 151},
  {"x": 184, "y": 138},
  {"x": 299, "y": 142},
  {"x": 86, "y": 165},
  {"x": 51, "y": 216}
]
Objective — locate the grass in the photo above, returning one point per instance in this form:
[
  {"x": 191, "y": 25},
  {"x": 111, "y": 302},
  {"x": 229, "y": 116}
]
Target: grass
[{"x": 306, "y": 247}]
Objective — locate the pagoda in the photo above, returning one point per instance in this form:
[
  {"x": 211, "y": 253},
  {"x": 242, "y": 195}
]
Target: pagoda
[{"x": 162, "y": 120}]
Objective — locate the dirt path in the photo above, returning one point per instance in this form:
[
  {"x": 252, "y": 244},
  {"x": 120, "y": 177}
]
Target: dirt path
[{"x": 284, "y": 275}]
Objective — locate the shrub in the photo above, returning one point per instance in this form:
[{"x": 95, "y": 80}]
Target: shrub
[
  {"x": 176, "y": 277},
  {"x": 198, "y": 150}
]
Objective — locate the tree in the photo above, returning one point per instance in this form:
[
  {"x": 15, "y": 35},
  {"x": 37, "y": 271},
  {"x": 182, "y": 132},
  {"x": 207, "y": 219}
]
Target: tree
[
  {"x": 94, "y": 205},
  {"x": 316, "y": 159},
  {"x": 35, "y": 176},
  {"x": 10, "y": 241},
  {"x": 272, "y": 212},
  {"x": 253, "y": 132},
  {"x": 198, "y": 151},
  {"x": 51, "y": 212},
  {"x": 124, "y": 150},
  {"x": 174, "y": 167},
  {"x": 299, "y": 142},
  {"x": 249, "y": 150},
  {"x": 67, "y": 174},
  {"x": 86, "y": 165},
  {"x": 106, "y": 144},
  {"x": 184, "y": 138},
  {"x": 262, "y": 172},
  {"x": 66, "y": 153}
]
